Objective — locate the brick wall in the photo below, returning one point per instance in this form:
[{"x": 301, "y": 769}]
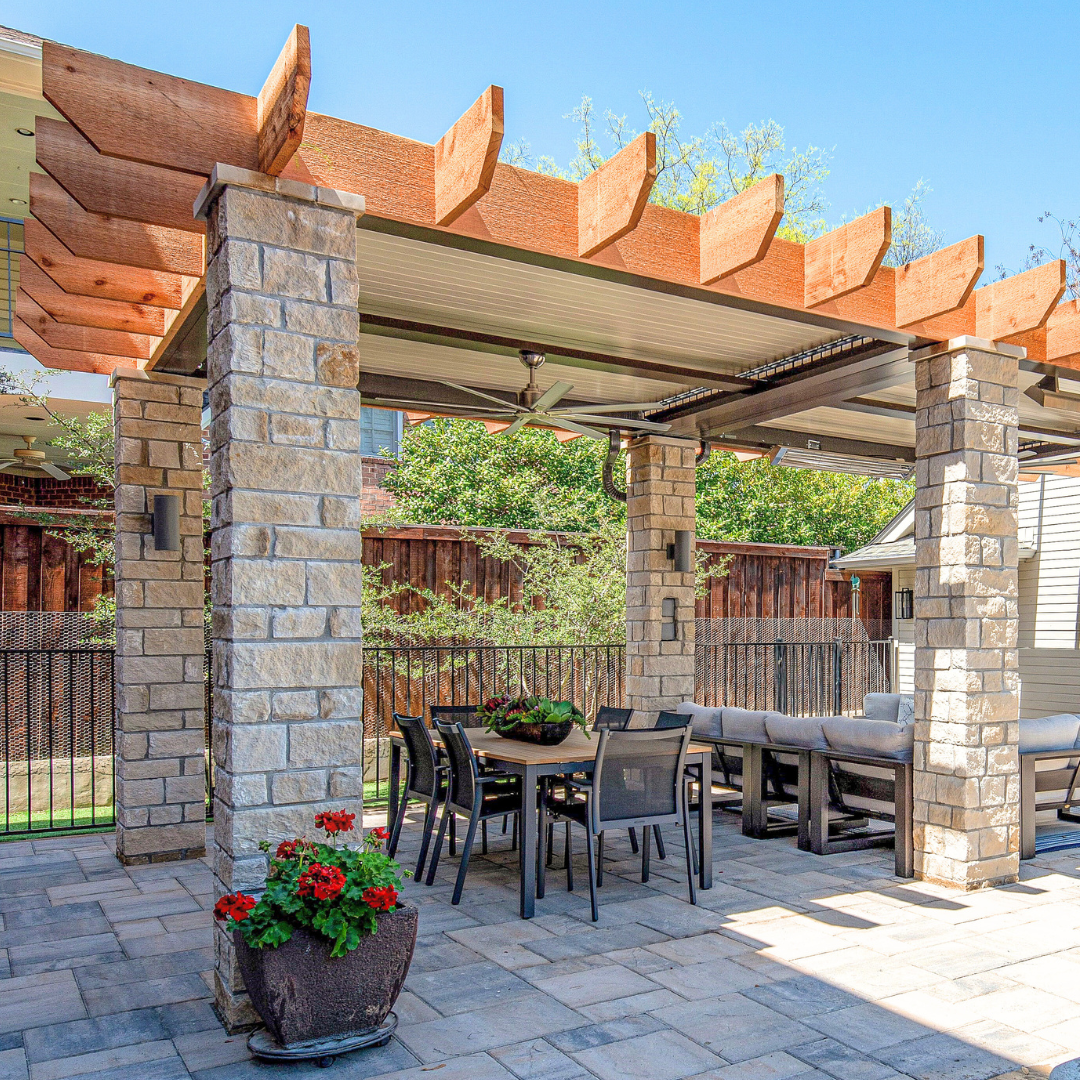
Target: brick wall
[{"x": 375, "y": 497}]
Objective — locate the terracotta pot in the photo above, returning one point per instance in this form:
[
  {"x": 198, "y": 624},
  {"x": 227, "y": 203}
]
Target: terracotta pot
[
  {"x": 543, "y": 733},
  {"x": 302, "y": 993}
]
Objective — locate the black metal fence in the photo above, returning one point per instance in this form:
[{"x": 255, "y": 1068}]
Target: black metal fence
[
  {"x": 56, "y": 723},
  {"x": 798, "y": 678}
]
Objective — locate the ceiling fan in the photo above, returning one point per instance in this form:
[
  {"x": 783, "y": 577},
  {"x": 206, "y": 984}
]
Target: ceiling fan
[
  {"x": 541, "y": 406},
  {"x": 29, "y": 458}
]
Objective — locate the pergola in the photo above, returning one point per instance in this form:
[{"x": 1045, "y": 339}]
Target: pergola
[{"x": 186, "y": 236}]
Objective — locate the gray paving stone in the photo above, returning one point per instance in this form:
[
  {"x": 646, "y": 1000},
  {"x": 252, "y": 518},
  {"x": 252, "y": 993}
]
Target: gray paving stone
[
  {"x": 842, "y": 1061},
  {"x": 55, "y": 931},
  {"x": 94, "y": 1034},
  {"x": 41, "y": 916},
  {"x": 184, "y": 1017},
  {"x": 535, "y": 1060},
  {"x": 142, "y": 995},
  {"x": 594, "y": 984},
  {"x": 802, "y": 995},
  {"x": 867, "y": 1027},
  {"x": 13, "y": 1065},
  {"x": 25, "y": 1000},
  {"x": 436, "y": 953},
  {"x": 663, "y": 1055},
  {"x": 617, "y": 1008},
  {"x": 63, "y": 952},
  {"x": 589, "y": 942},
  {"x": 585, "y": 1038},
  {"x": 155, "y": 967},
  {"x": 775, "y": 1066},
  {"x": 710, "y": 979},
  {"x": 465, "y": 989},
  {"x": 473, "y": 1067},
  {"x": 944, "y": 1057},
  {"x": 147, "y": 1055}
]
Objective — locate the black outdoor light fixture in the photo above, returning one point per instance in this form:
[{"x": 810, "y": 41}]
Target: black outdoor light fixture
[
  {"x": 165, "y": 522},
  {"x": 681, "y": 552},
  {"x": 905, "y": 604}
]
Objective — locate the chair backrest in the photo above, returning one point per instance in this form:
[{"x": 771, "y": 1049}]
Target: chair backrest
[
  {"x": 638, "y": 778},
  {"x": 421, "y": 753},
  {"x": 463, "y": 768},
  {"x": 465, "y": 715},
  {"x": 667, "y": 720},
  {"x": 608, "y": 718}
]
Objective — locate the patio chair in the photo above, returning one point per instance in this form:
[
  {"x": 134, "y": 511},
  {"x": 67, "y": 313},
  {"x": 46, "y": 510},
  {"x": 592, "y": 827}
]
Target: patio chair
[
  {"x": 474, "y": 795},
  {"x": 637, "y": 781},
  {"x": 425, "y": 781},
  {"x": 608, "y": 718}
]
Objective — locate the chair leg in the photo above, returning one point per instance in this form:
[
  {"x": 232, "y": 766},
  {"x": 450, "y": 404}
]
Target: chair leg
[
  {"x": 434, "y": 864},
  {"x": 592, "y": 873},
  {"x": 550, "y": 842},
  {"x": 453, "y": 835},
  {"x": 568, "y": 855},
  {"x": 661, "y": 851},
  {"x": 600, "y": 861},
  {"x": 633, "y": 840},
  {"x": 483, "y": 837},
  {"x": 505, "y": 816},
  {"x": 691, "y": 852},
  {"x": 399, "y": 821},
  {"x": 466, "y": 851},
  {"x": 514, "y": 833},
  {"x": 646, "y": 837},
  {"x": 543, "y": 854},
  {"x": 429, "y": 827},
  {"x": 691, "y": 857}
]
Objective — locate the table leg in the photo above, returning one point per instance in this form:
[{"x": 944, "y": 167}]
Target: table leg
[
  {"x": 818, "y": 804},
  {"x": 1027, "y": 807},
  {"x": 395, "y": 784},
  {"x": 705, "y": 822},
  {"x": 804, "y": 800},
  {"x": 529, "y": 780}
]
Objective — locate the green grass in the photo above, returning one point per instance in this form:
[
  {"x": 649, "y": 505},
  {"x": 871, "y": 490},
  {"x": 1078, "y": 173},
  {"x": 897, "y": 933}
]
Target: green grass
[{"x": 19, "y": 826}]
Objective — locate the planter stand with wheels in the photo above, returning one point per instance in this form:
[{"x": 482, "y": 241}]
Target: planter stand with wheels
[{"x": 322, "y": 1051}]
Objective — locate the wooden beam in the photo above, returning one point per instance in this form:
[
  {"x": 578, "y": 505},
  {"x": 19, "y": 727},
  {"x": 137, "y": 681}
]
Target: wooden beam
[
  {"x": 847, "y": 258},
  {"x": 939, "y": 282},
  {"x": 611, "y": 199},
  {"x": 141, "y": 115},
  {"x": 125, "y": 189},
  {"x": 113, "y": 240},
  {"x": 1019, "y": 303},
  {"x": 282, "y": 104},
  {"x": 81, "y": 338},
  {"x": 194, "y": 307},
  {"x": 89, "y": 311},
  {"x": 465, "y": 157},
  {"x": 109, "y": 281},
  {"x": 65, "y": 359},
  {"x": 761, "y": 437},
  {"x": 737, "y": 233}
]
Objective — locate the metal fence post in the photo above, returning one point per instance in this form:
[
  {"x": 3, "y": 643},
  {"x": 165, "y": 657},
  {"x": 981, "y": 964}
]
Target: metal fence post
[
  {"x": 838, "y": 677},
  {"x": 780, "y": 676}
]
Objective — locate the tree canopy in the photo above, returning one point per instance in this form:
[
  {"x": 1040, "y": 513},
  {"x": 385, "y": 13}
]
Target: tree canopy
[{"x": 453, "y": 472}]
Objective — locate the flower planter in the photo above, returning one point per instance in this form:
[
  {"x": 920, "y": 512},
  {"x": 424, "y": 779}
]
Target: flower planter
[
  {"x": 302, "y": 993},
  {"x": 542, "y": 734}
]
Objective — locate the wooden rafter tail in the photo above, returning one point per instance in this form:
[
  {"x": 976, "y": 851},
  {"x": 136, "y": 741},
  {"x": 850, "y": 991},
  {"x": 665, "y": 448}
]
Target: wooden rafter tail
[
  {"x": 1019, "y": 303},
  {"x": 466, "y": 156},
  {"x": 125, "y": 189},
  {"x": 938, "y": 283},
  {"x": 113, "y": 240},
  {"x": 612, "y": 199},
  {"x": 847, "y": 258},
  {"x": 141, "y": 115},
  {"x": 66, "y": 359},
  {"x": 89, "y": 311},
  {"x": 1063, "y": 335},
  {"x": 737, "y": 233},
  {"x": 108, "y": 281},
  {"x": 82, "y": 338},
  {"x": 282, "y": 104}
]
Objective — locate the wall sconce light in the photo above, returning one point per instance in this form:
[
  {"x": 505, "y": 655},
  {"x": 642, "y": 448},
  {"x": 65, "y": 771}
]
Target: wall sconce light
[
  {"x": 165, "y": 522},
  {"x": 669, "y": 629},
  {"x": 681, "y": 552},
  {"x": 905, "y": 604}
]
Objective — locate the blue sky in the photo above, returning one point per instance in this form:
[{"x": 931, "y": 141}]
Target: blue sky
[{"x": 978, "y": 99}]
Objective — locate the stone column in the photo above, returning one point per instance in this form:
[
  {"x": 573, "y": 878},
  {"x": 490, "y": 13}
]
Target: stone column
[
  {"x": 660, "y": 500},
  {"x": 283, "y": 367},
  {"x": 967, "y": 686},
  {"x": 160, "y": 733}
]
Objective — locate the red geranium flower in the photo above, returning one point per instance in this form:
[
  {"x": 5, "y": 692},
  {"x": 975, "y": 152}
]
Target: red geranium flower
[
  {"x": 382, "y": 898},
  {"x": 380, "y": 834},
  {"x": 234, "y": 906},
  {"x": 322, "y": 882},
  {"x": 335, "y": 821},
  {"x": 290, "y": 849}
]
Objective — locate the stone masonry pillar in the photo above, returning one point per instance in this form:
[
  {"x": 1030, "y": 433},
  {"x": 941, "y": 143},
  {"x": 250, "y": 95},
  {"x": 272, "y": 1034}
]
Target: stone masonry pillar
[
  {"x": 283, "y": 367},
  {"x": 659, "y": 501},
  {"x": 967, "y": 686},
  {"x": 160, "y": 733}
]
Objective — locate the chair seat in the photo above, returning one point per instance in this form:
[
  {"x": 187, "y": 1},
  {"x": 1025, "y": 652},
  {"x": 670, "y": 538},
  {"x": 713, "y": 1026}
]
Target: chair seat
[{"x": 496, "y": 805}]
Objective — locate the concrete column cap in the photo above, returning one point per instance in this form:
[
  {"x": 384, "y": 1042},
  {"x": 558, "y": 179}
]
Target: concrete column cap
[
  {"x": 231, "y": 176},
  {"x": 969, "y": 343}
]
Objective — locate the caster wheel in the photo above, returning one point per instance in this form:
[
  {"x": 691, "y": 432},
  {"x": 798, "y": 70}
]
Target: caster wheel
[{"x": 326, "y": 1062}]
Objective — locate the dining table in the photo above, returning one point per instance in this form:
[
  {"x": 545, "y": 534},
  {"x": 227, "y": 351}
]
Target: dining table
[{"x": 575, "y": 754}]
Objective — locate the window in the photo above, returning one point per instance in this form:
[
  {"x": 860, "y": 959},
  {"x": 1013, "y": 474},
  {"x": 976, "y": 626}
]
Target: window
[
  {"x": 380, "y": 429},
  {"x": 11, "y": 246}
]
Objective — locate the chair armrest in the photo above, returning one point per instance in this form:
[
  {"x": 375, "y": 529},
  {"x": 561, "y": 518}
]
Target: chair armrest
[
  {"x": 491, "y": 778},
  {"x": 579, "y": 785}
]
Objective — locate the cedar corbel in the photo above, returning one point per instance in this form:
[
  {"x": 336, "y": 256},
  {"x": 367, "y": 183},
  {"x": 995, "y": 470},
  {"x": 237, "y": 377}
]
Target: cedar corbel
[
  {"x": 737, "y": 233},
  {"x": 65, "y": 359},
  {"x": 939, "y": 282},
  {"x": 465, "y": 157},
  {"x": 1019, "y": 303},
  {"x": 611, "y": 199},
  {"x": 282, "y": 104},
  {"x": 81, "y": 338},
  {"x": 847, "y": 258}
]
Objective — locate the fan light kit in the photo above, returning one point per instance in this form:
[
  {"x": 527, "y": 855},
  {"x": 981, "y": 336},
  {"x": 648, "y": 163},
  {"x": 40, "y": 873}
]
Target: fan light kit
[{"x": 29, "y": 458}]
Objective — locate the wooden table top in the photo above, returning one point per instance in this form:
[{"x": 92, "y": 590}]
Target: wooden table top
[{"x": 577, "y": 746}]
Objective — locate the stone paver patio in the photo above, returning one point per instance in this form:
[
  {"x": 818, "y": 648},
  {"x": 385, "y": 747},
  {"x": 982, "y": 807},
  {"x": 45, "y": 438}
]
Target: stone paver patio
[{"x": 794, "y": 965}]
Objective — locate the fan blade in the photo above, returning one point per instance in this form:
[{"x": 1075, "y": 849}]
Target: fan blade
[
  {"x": 509, "y": 405},
  {"x": 627, "y": 407},
  {"x": 437, "y": 405},
  {"x": 616, "y": 422},
  {"x": 7, "y": 464},
  {"x": 53, "y": 471},
  {"x": 519, "y": 423},
  {"x": 552, "y": 395},
  {"x": 581, "y": 429}
]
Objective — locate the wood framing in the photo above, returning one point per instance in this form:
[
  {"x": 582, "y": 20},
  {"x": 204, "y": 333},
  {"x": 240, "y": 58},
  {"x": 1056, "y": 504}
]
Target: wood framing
[
  {"x": 611, "y": 199},
  {"x": 465, "y": 157},
  {"x": 81, "y": 338},
  {"x": 737, "y": 233},
  {"x": 65, "y": 359},
  {"x": 282, "y": 104},
  {"x": 847, "y": 258},
  {"x": 939, "y": 282},
  {"x": 1022, "y": 302},
  {"x": 107, "y": 185}
]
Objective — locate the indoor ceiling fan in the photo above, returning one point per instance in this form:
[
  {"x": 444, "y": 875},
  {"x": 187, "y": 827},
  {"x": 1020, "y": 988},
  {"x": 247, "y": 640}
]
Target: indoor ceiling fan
[
  {"x": 29, "y": 458},
  {"x": 541, "y": 406}
]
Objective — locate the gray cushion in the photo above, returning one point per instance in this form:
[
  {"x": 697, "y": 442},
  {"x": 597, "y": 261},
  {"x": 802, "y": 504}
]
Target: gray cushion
[
  {"x": 881, "y": 706},
  {"x": 905, "y": 714},
  {"x": 745, "y": 725},
  {"x": 796, "y": 730},
  {"x": 706, "y": 720},
  {"x": 1058, "y": 732},
  {"x": 872, "y": 738}
]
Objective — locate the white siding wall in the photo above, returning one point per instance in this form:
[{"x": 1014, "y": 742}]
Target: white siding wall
[
  {"x": 1050, "y": 681},
  {"x": 904, "y": 632}
]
